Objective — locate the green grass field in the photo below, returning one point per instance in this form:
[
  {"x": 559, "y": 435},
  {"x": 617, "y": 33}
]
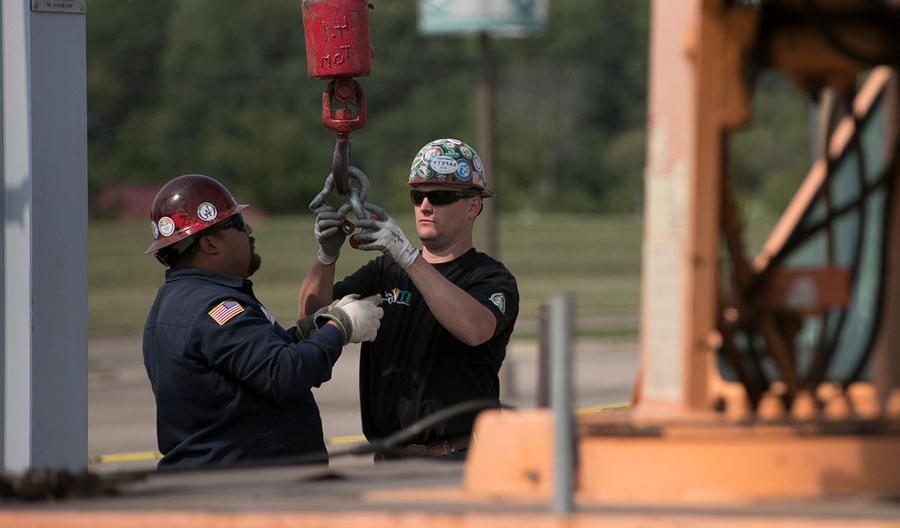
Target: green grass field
[{"x": 597, "y": 258}]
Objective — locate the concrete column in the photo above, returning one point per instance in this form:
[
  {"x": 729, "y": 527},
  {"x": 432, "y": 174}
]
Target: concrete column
[{"x": 44, "y": 240}]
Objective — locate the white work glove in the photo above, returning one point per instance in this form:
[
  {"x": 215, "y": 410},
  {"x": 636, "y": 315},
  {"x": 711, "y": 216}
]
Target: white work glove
[
  {"x": 383, "y": 234},
  {"x": 358, "y": 319},
  {"x": 328, "y": 233}
]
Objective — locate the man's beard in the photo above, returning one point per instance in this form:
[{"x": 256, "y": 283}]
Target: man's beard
[{"x": 255, "y": 263}]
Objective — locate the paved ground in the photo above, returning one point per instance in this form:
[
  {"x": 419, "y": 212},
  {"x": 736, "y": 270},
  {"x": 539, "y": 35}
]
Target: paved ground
[{"x": 122, "y": 410}]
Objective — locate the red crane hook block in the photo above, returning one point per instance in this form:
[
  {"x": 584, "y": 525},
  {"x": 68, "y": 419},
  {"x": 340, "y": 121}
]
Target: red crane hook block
[
  {"x": 351, "y": 95},
  {"x": 337, "y": 38}
]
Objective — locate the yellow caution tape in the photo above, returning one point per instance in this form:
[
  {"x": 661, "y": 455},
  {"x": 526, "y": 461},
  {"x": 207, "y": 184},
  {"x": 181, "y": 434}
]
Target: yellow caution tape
[{"x": 142, "y": 456}]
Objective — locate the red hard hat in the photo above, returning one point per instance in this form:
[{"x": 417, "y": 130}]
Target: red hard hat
[{"x": 187, "y": 205}]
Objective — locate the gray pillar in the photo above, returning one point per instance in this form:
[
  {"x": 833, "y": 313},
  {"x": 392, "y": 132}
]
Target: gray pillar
[
  {"x": 561, "y": 325},
  {"x": 44, "y": 240}
]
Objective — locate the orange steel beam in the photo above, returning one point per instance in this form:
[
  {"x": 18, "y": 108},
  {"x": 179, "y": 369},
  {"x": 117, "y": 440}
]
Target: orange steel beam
[
  {"x": 724, "y": 35},
  {"x": 671, "y": 120},
  {"x": 698, "y": 93},
  {"x": 823, "y": 288},
  {"x": 409, "y": 519},
  {"x": 622, "y": 461}
]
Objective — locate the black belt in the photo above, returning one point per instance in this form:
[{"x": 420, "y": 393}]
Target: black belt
[
  {"x": 444, "y": 447},
  {"x": 450, "y": 447}
]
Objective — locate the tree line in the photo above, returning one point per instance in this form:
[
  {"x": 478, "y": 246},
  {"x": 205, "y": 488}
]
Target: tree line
[{"x": 220, "y": 87}]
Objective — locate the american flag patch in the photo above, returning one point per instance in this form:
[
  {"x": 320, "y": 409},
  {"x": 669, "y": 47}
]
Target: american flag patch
[{"x": 225, "y": 311}]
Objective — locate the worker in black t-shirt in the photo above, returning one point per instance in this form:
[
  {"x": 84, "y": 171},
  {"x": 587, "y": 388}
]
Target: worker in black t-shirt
[{"x": 448, "y": 310}]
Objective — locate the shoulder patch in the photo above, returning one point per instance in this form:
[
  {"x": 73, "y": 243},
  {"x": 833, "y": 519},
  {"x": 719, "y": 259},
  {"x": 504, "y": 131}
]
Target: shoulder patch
[
  {"x": 225, "y": 311},
  {"x": 499, "y": 301}
]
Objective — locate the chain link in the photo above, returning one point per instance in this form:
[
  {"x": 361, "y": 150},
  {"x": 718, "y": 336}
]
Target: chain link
[{"x": 356, "y": 202}]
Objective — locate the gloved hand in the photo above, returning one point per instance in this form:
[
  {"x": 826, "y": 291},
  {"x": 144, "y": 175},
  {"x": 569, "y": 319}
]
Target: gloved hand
[
  {"x": 328, "y": 233},
  {"x": 383, "y": 234},
  {"x": 358, "y": 319}
]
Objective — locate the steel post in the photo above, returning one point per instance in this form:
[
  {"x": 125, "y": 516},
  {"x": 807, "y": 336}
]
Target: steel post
[
  {"x": 44, "y": 240},
  {"x": 561, "y": 317},
  {"x": 489, "y": 243}
]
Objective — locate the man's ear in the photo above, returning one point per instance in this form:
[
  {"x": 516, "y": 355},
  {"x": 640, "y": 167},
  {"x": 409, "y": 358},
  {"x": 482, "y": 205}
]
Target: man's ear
[
  {"x": 475, "y": 207},
  {"x": 209, "y": 245}
]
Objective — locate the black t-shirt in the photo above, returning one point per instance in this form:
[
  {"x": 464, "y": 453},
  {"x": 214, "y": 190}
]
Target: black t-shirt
[{"x": 415, "y": 367}]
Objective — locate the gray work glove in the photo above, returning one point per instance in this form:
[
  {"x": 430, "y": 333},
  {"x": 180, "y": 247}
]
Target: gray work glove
[
  {"x": 328, "y": 233},
  {"x": 381, "y": 233},
  {"x": 358, "y": 319}
]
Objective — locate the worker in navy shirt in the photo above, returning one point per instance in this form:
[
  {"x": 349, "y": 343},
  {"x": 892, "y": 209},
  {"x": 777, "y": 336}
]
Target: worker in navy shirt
[
  {"x": 231, "y": 385},
  {"x": 449, "y": 309}
]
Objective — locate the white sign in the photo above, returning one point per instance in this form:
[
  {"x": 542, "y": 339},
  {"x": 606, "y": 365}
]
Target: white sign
[
  {"x": 59, "y": 6},
  {"x": 497, "y": 17}
]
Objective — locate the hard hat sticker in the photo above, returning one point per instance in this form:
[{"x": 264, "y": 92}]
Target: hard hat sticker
[
  {"x": 154, "y": 229},
  {"x": 444, "y": 165},
  {"x": 207, "y": 211},
  {"x": 166, "y": 226},
  {"x": 464, "y": 171},
  {"x": 478, "y": 165},
  {"x": 424, "y": 172},
  {"x": 432, "y": 153}
]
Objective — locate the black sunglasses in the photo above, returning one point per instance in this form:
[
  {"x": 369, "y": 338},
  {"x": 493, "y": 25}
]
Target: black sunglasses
[
  {"x": 236, "y": 221},
  {"x": 439, "y": 197}
]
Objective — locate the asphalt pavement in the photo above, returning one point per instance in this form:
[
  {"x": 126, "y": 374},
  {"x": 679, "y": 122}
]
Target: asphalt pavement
[{"x": 122, "y": 410}]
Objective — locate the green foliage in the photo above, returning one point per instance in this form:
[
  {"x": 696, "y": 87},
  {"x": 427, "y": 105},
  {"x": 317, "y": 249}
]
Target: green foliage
[{"x": 772, "y": 155}]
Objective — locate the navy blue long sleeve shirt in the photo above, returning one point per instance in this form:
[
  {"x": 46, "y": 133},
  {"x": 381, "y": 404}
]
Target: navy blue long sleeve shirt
[{"x": 231, "y": 385}]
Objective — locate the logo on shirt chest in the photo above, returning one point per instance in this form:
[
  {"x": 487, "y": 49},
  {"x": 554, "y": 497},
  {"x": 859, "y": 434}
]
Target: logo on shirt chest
[{"x": 397, "y": 296}]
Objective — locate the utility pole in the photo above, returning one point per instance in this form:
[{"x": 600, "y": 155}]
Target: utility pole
[
  {"x": 485, "y": 19},
  {"x": 485, "y": 91}
]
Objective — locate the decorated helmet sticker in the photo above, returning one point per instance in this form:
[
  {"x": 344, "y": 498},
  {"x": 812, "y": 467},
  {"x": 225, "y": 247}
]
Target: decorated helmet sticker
[
  {"x": 166, "y": 226},
  {"x": 424, "y": 172},
  {"x": 478, "y": 178},
  {"x": 464, "y": 171},
  {"x": 466, "y": 151},
  {"x": 207, "y": 212},
  {"x": 477, "y": 162},
  {"x": 432, "y": 153},
  {"x": 154, "y": 229},
  {"x": 443, "y": 165}
]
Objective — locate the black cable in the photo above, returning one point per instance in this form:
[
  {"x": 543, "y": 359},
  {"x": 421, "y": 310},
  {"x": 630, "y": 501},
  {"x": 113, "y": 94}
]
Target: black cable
[
  {"x": 41, "y": 485},
  {"x": 403, "y": 436}
]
